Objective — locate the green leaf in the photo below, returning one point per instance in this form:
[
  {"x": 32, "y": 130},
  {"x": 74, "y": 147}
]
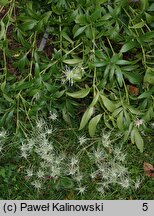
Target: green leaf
[
  {"x": 99, "y": 63},
  {"x": 29, "y": 24},
  {"x": 95, "y": 99},
  {"x": 128, "y": 46},
  {"x": 138, "y": 139},
  {"x": 65, "y": 35},
  {"x": 37, "y": 70},
  {"x": 86, "y": 116},
  {"x": 72, "y": 61},
  {"x": 4, "y": 2},
  {"x": 120, "y": 122},
  {"x": 110, "y": 106},
  {"x": 138, "y": 25},
  {"x": 117, "y": 111},
  {"x": 81, "y": 19},
  {"x": 147, "y": 94},
  {"x": 134, "y": 77},
  {"x": 151, "y": 8},
  {"x": 147, "y": 37},
  {"x": 8, "y": 98},
  {"x": 96, "y": 14},
  {"x": 149, "y": 76},
  {"x": 133, "y": 110},
  {"x": 2, "y": 31},
  {"x": 119, "y": 75},
  {"x": 79, "y": 94},
  {"x": 79, "y": 31},
  {"x": 93, "y": 123}
]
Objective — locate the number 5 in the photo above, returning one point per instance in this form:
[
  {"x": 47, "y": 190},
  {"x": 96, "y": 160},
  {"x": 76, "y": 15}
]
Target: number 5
[{"x": 145, "y": 207}]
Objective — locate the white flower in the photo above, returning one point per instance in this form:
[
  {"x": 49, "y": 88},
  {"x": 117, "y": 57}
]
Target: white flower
[
  {"x": 49, "y": 131},
  {"x": 93, "y": 175},
  {"x": 29, "y": 172},
  {"x": 40, "y": 124},
  {"x": 125, "y": 183},
  {"x": 106, "y": 140},
  {"x": 137, "y": 183},
  {"x": 72, "y": 170},
  {"x": 3, "y": 134},
  {"x": 24, "y": 147},
  {"x": 138, "y": 122},
  {"x": 55, "y": 171},
  {"x": 74, "y": 161},
  {"x": 31, "y": 143},
  {"x": 53, "y": 116},
  {"x": 81, "y": 190},
  {"x": 98, "y": 154},
  {"x": 152, "y": 124},
  {"x": 37, "y": 184},
  {"x": 40, "y": 174},
  {"x": 82, "y": 140},
  {"x": 101, "y": 190},
  {"x": 24, "y": 154},
  {"x": 78, "y": 178},
  {"x": 72, "y": 75}
]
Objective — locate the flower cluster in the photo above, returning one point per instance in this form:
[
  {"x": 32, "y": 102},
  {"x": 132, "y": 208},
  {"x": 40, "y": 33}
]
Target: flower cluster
[
  {"x": 73, "y": 75},
  {"x": 107, "y": 162},
  {"x": 110, "y": 167}
]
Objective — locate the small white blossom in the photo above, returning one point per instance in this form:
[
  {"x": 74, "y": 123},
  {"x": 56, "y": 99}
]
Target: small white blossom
[
  {"x": 81, "y": 190},
  {"x": 55, "y": 171},
  {"x": 138, "y": 122},
  {"x": 101, "y": 190},
  {"x": 72, "y": 170},
  {"x": 72, "y": 75},
  {"x": 29, "y": 172},
  {"x": 24, "y": 154},
  {"x": 78, "y": 178},
  {"x": 23, "y": 147},
  {"x": 37, "y": 184},
  {"x": 40, "y": 174},
  {"x": 125, "y": 183},
  {"x": 40, "y": 124},
  {"x": 74, "y": 161},
  {"x": 137, "y": 184},
  {"x": 82, "y": 140},
  {"x": 3, "y": 134},
  {"x": 152, "y": 124},
  {"x": 98, "y": 154},
  {"x": 53, "y": 116}
]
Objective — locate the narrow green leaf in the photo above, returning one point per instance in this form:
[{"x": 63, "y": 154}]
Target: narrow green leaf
[
  {"x": 151, "y": 8},
  {"x": 79, "y": 94},
  {"x": 138, "y": 140},
  {"x": 2, "y": 29},
  {"x": 117, "y": 111},
  {"x": 86, "y": 116},
  {"x": 120, "y": 122},
  {"x": 72, "y": 61},
  {"x": 149, "y": 76},
  {"x": 65, "y": 35},
  {"x": 138, "y": 25},
  {"x": 93, "y": 123},
  {"x": 79, "y": 31},
  {"x": 128, "y": 46},
  {"x": 4, "y": 2},
  {"x": 94, "y": 101},
  {"x": 110, "y": 106}
]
